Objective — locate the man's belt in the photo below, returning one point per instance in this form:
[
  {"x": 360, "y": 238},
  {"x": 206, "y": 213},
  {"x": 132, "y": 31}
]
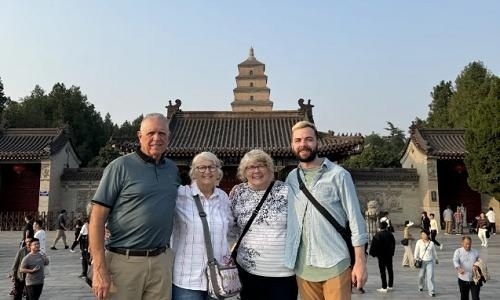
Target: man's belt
[{"x": 137, "y": 252}]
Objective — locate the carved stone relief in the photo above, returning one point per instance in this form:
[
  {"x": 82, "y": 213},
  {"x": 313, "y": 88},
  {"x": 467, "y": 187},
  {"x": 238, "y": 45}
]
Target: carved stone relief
[{"x": 387, "y": 200}]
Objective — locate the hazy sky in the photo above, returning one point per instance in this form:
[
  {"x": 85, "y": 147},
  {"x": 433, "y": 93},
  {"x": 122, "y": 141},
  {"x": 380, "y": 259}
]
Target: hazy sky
[{"x": 362, "y": 63}]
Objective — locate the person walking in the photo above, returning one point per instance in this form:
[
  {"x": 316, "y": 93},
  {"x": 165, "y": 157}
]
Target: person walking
[
  {"x": 491, "y": 218},
  {"x": 434, "y": 231},
  {"x": 136, "y": 200},
  {"x": 426, "y": 251},
  {"x": 463, "y": 261},
  {"x": 61, "y": 230},
  {"x": 78, "y": 227},
  {"x": 448, "y": 219},
  {"x": 482, "y": 227},
  {"x": 260, "y": 258},
  {"x": 458, "y": 218},
  {"x": 408, "y": 260},
  {"x": 382, "y": 247},
  {"x": 314, "y": 249},
  {"x": 188, "y": 239},
  {"x": 33, "y": 266},
  {"x": 28, "y": 231},
  {"x": 386, "y": 219},
  {"x": 425, "y": 222},
  {"x": 40, "y": 234},
  {"x": 83, "y": 240},
  {"x": 18, "y": 277}
]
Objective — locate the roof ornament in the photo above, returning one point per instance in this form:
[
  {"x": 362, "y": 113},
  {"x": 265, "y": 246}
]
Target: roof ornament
[
  {"x": 306, "y": 109},
  {"x": 172, "y": 109},
  {"x": 251, "y": 54}
]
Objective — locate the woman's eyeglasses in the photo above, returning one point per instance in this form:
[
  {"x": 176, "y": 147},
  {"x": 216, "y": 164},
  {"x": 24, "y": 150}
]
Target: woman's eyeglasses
[{"x": 203, "y": 169}]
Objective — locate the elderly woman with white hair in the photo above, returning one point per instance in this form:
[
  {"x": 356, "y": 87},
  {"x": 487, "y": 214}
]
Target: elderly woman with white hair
[
  {"x": 260, "y": 256},
  {"x": 188, "y": 243}
]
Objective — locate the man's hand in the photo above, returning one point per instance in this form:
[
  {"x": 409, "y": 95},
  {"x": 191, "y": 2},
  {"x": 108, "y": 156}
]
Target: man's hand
[
  {"x": 101, "y": 282},
  {"x": 359, "y": 274}
]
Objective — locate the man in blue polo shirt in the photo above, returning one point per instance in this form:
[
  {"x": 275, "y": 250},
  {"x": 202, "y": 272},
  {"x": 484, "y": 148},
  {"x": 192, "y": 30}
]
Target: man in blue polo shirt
[{"x": 136, "y": 198}]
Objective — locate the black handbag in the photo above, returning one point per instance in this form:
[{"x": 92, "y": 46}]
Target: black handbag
[
  {"x": 404, "y": 242},
  {"x": 345, "y": 232}
]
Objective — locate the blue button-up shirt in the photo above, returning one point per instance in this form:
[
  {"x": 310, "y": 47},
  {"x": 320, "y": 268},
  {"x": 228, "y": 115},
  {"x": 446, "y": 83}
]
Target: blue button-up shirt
[
  {"x": 465, "y": 260},
  {"x": 333, "y": 188}
]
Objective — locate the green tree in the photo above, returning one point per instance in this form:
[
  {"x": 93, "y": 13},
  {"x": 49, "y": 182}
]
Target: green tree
[
  {"x": 4, "y": 100},
  {"x": 471, "y": 87},
  {"x": 439, "y": 116},
  {"x": 379, "y": 151},
  {"x": 482, "y": 141},
  {"x": 61, "y": 107},
  {"x": 106, "y": 155}
]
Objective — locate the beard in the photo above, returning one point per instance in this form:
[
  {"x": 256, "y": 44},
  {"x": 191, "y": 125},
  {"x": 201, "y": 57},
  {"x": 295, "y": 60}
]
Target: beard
[{"x": 313, "y": 153}]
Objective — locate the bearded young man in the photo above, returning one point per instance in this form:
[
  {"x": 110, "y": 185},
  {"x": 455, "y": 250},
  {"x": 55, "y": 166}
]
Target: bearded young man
[{"x": 314, "y": 249}]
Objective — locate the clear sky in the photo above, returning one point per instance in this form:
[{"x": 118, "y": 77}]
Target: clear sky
[{"x": 362, "y": 63}]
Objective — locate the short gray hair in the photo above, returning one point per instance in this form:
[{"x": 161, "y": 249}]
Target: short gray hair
[
  {"x": 251, "y": 157},
  {"x": 211, "y": 158},
  {"x": 158, "y": 116}
]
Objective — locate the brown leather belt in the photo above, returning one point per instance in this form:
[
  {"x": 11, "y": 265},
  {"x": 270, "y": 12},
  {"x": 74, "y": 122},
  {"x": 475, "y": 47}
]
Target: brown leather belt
[{"x": 138, "y": 252}]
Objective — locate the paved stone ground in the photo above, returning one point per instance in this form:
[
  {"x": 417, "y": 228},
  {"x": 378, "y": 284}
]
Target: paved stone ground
[{"x": 63, "y": 282}]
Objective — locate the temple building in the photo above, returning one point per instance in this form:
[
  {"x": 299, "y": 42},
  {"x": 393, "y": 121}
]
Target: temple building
[
  {"x": 32, "y": 161},
  {"x": 39, "y": 168}
]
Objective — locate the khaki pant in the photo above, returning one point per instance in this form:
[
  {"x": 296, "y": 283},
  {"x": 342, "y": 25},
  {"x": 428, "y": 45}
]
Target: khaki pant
[
  {"x": 60, "y": 234},
  {"x": 449, "y": 227},
  {"x": 140, "y": 277},
  {"x": 337, "y": 288}
]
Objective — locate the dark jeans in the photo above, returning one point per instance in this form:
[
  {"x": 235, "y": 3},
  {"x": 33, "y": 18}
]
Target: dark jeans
[
  {"x": 383, "y": 264},
  {"x": 433, "y": 238},
  {"x": 186, "y": 294},
  {"x": 493, "y": 228},
  {"x": 18, "y": 289},
  {"x": 34, "y": 291},
  {"x": 465, "y": 287},
  {"x": 266, "y": 288}
]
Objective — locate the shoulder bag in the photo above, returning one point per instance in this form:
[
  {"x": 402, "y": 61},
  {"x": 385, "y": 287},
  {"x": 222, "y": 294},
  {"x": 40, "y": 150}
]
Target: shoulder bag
[
  {"x": 345, "y": 232},
  {"x": 223, "y": 279},
  {"x": 418, "y": 261}
]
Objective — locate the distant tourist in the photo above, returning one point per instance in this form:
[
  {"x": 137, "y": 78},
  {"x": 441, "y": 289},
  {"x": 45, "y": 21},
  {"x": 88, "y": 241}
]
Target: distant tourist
[
  {"x": 408, "y": 253},
  {"x": 448, "y": 219},
  {"x": 434, "y": 231},
  {"x": 28, "y": 231},
  {"x": 482, "y": 227},
  {"x": 491, "y": 218},
  {"x": 16, "y": 275},
  {"x": 61, "y": 230},
  {"x": 458, "y": 218},
  {"x": 40, "y": 235},
  {"x": 382, "y": 247},
  {"x": 33, "y": 265}
]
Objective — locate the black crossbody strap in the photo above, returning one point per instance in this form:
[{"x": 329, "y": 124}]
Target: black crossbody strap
[
  {"x": 319, "y": 207},
  {"x": 208, "y": 244},
  {"x": 250, "y": 221}
]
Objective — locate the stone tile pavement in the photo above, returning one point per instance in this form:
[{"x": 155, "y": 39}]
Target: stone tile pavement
[{"x": 63, "y": 282}]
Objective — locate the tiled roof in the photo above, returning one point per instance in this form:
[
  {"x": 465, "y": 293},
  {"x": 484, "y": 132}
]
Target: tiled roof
[
  {"x": 384, "y": 174},
  {"x": 30, "y": 143},
  {"x": 440, "y": 143},
  {"x": 232, "y": 134},
  {"x": 82, "y": 174}
]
